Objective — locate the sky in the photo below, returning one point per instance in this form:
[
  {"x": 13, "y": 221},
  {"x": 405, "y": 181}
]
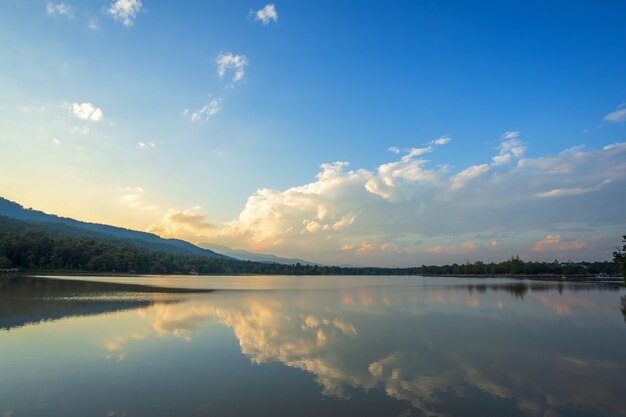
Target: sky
[{"x": 358, "y": 133}]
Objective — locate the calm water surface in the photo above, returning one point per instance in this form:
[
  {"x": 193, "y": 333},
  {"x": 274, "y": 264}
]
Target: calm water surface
[{"x": 331, "y": 346}]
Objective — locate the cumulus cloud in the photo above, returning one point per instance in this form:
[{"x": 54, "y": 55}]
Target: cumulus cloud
[
  {"x": 125, "y": 11},
  {"x": 409, "y": 208},
  {"x": 267, "y": 14},
  {"x": 187, "y": 224},
  {"x": 616, "y": 116},
  {"x": 208, "y": 110},
  {"x": 392, "y": 179},
  {"x": 85, "y": 111},
  {"x": 232, "y": 63},
  {"x": 60, "y": 9}
]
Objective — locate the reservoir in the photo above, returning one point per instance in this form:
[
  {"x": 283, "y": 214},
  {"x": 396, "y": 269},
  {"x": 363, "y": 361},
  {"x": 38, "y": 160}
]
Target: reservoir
[{"x": 310, "y": 346}]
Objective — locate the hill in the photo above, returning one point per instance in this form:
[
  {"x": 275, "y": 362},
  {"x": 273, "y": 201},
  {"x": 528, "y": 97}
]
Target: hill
[
  {"x": 253, "y": 256},
  {"x": 64, "y": 226}
]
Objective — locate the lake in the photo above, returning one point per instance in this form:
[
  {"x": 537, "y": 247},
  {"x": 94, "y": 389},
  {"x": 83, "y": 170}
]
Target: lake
[{"x": 311, "y": 346}]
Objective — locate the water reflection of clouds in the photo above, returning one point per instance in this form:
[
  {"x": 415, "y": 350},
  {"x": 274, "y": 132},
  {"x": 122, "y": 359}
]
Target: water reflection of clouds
[
  {"x": 346, "y": 343},
  {"x": 115, "y": 346},
  {"x": 563, "y": 305}
]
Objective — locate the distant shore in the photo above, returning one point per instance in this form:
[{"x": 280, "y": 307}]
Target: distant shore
[{"x": 533, "y": 277}]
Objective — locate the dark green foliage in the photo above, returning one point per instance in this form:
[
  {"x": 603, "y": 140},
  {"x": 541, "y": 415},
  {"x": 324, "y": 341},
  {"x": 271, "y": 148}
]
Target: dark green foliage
[
  {"x": 619, "y": 257},
  {"x": 516, "y": 266},
  {"x": 35, "y": 246},
  {"x": 63, "y": 226}
]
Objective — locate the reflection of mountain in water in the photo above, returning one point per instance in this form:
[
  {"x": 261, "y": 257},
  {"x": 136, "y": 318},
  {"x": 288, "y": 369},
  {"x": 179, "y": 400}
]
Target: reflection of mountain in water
[
  {"x": 436, "y": 349},
  {"x": 28, "y": 300}
]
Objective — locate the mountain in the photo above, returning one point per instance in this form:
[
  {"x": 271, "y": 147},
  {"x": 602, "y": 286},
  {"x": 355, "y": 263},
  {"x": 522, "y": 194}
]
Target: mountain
[
  {"x": 252, "y": 256},
  {"x": 64, "y": 226}
]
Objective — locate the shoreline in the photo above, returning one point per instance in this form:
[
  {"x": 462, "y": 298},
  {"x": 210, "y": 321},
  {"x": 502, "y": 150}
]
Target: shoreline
[{"x": 588, "y": 278}]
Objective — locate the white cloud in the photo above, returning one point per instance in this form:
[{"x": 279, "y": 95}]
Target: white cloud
[
  {"x": 413, "y": 152},
  {"x": 92, "y": 23},
  {"x": 562, "y": 192},
  {"x": 210, "y": 109},
  {"x": 80, "y": 130},
  {"x": 230, "y": 62},
  {"x": 617, "y": 116},
  {"x": 125, "y": 11},
  {"x": 392, "y": 179},
  {"x": 510, "y": 148},
  {"x": 146, "y": 145},
  {"x": 468, "y": 174},
  {"x": 267, "y": 14},
  {"x": 60, "y": 9},
  {"x": 85, "y": 111},
  {"x": 397, "y": 211},
  {"x": 56, "y": 142},
  {"x": 394, "y": 149},
  {"x": 187, "y": 224},
  {"x": 443, "y": 140},
  {"x": 511, "y": 134},
  {"x": 133, "y": 197}
]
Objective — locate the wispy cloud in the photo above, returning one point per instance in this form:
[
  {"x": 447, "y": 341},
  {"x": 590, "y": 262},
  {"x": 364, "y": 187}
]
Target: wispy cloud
[
  {"x": 92, "y": 23},
  {"x": 146, "y": 145},
  {"x": 562, "y": 192},
  {"x": 616, "y": 116},
  {"x": 60, "y": 9},
  {"x": 212, "y": 108},
  {"x": 554, "y": 243},
  {"x": 125, "y": 11},
  {"x": 510, "y": 148},
  {"x": 80, "y": 130},
  {"x": 85, "y": 111},
  {"x": 134, "y": 197},
  {"x": 462, "y": 248},
  {"x": 459, "y": 180},
  {"x": 267, "y": 14},
  {"x": 443, "y": 140},
  {"x": 56, "y": 142},
  {"x": 511, "y": 134},
  {"x": 232, "y": 63}
]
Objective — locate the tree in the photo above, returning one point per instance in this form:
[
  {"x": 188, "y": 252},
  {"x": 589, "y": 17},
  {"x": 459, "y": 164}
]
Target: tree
[
  {"x": 619, "y": 257},
  {"x": 5, "y": 262}
]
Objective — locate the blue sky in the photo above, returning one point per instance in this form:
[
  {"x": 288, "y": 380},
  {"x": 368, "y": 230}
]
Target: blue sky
[{"x": 322, "y": 82}]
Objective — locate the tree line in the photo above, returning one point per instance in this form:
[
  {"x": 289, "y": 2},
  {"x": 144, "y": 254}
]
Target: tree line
[{"x": 31, "y": 248}]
